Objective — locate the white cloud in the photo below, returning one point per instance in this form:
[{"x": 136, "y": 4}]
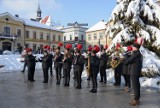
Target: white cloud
[{"x": 28, "y": 8}]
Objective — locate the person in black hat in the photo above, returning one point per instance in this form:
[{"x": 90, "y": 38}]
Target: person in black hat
[
  {"x": 45, "y": 65},
  {"x": 135, "y": 62},
  {"x": 31, "y": 63},
  {"x": 67, "y": 63},
  {"x": 78, "y": 67},
  {"x": 103, "y": 63},
  {"x": 58, "y": 64},
  {"x": 94, "y": 68}
]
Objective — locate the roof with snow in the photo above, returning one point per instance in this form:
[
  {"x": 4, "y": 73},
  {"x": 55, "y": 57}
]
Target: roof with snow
[
  {"x": 31, "y": 22},
  {"x": 101, "y": 25}
]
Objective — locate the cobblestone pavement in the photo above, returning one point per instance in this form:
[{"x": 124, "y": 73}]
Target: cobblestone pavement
[{"x": 16, "y": 92}]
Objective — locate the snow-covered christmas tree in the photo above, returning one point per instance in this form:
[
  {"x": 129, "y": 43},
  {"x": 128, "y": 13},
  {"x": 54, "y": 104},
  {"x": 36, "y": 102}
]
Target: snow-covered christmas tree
[{"x": 138, "y": 18}]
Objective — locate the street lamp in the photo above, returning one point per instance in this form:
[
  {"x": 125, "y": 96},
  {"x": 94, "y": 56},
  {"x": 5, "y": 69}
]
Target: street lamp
[{"x": 14, "y": 44}]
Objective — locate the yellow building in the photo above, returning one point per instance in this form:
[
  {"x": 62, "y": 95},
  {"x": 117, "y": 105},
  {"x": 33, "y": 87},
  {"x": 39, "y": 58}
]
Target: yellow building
[
  {"x": 16, "y": 31},
  {"x": 95, "y": 35}
]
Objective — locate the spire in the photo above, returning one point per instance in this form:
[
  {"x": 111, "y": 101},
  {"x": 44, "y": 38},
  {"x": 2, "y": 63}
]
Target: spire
[{"x": 39, "y": 12}]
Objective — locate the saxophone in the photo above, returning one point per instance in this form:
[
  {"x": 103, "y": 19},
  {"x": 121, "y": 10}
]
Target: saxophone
[{"x": 88, "y": 67}]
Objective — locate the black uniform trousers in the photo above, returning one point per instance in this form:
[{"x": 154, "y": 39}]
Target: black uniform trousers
[
  {"x": 66, "y": 76},
  {"x": 24, "y": 67},
  {"x": 58, "y": 74},
  {"x": 103, "y": 73},
  {"x": 31, "y": 71},
  {"x": 45, "y": 73},
  {"x": 78, "y": 78},
  {"x": 136, "y": 86},
  {"x": 127, "y": 80},
  {"x": 117, "y": 76},
  {"x": 50, "y": 67},
  {"x": 94, "y": 80}
]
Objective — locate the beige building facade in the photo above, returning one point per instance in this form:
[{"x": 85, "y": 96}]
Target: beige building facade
[
  {"x": 15, "y": 31},
  {"x": 95, "y": 35}
]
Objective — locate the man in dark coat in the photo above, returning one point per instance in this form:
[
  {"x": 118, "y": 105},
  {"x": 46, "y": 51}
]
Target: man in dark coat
[
  {"x": 103, "y": 63},
  {"x": 67, "y": 63},
  {"x": 94, "y": 68},
  {"x": 125, "y": 71},
  {"x": 31, "y": 63},
  {"x": 45, "y": 65},
  {"x": 135, "y": 62},
  {"x": 58, "y": 64},
  {"x": 78, "y": 67}
]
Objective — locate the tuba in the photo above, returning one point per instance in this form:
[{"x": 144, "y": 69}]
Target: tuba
[{"x": 114, "y": 63}]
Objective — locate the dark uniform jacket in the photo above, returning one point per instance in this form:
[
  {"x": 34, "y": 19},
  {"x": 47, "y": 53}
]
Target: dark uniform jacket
[
  {"x": 58, "y": 60},
  {"x": 78, "y": 63},
  {"x": 94, "y": 62},
  {"x": 126, "y": 66},
  {"x": 30, "y": 60},
  {"x": 45, "y": 61},
  {"x": 135, "y": 62},
  {"x": 103, "y": 60},
  {"x": 67, "y": 63}
]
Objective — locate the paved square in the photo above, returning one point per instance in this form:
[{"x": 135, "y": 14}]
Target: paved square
[{"x": 16, "y": 92}]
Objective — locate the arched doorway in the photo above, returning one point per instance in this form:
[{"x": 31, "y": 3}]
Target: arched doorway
[{"x": 6, "y": 46}]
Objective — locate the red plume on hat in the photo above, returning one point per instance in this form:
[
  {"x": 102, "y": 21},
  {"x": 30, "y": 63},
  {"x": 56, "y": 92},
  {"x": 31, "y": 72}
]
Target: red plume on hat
[
  {"x": 60, "y": 44},
  {"x": 89, "y": 48},
  {"x": 139, "y": 41},
  {"x": 129, "y": 48},
  {"x": 96, "y": 48},
  {"x": 118, "y": 46},
  {"x": 48, "y": 47},
  {"x": 28, "y": 49},
  {"x": 106, "y": 46},
  {"x": 79, "y": 46},
  {"x": 45, "y": 47},
  {"x": 68, "y": 46}
]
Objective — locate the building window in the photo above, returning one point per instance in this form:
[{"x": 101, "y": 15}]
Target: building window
[
  {"x": 18, "y": 44},
  {"x": 54, "y": 37},
  {"x": 70, "y": 37},
  {"x": 34, "y": 47},
  {"x": 7, "y": 31},
  {"x": 101, "y": 35},
  {"x": 41, "y": 46},
  {"x": 95, "y": 36},
  {"x": 76, "y": 38},
  {"x": 34, "y": 35},
  {"x": 27, "y": 45},
  {"x": 59, "y": 38},
  {"x": 48, "y": 37},
  {"x": 27, "y": 34},
  {"x": 64, "y": 38},
  {"x": 18, "y": 32},
  {"x": 89, "y": 37},
  {"x": 82, "y": 37},
  {"x": 41, "y": 35}
]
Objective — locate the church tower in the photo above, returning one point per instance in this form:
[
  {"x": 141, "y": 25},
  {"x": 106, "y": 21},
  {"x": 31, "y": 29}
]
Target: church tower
[{"x": 39, "y": 12}]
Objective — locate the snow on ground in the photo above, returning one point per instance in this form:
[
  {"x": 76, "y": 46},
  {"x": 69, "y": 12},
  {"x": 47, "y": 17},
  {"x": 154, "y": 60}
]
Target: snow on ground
[{"x": 13, "y": 63}]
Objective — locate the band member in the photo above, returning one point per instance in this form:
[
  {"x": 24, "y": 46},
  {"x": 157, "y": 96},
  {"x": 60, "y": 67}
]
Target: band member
[
  {"x": 135, "y": 62},
  {"x": 126, "y": 70},
  {"x": 78, "y": 65},
  {"x": 67, "y": 63},
  {"x": 58, "y": 64},
  {"x": 45, "y": 64},
  {"x": 31, "y": 63},
  {"x": 103, "y": 63},
  {"x": 50, "y": 63},
  {"x": 88, "y": 62},
  {"x": 118, "y": 68},
  {"x": 94, "y": 68}
]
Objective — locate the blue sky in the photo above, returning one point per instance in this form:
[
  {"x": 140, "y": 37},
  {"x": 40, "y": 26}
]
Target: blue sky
[{"x": 62, "y": 11}]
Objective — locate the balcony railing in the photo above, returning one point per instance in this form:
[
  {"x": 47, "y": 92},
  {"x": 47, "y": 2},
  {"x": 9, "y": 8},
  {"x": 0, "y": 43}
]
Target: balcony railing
[{"x": 9, "y": 36}]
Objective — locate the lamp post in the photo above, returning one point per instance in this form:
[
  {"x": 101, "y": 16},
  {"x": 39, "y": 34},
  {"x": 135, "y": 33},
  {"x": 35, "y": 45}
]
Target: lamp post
[{"x": 13, "y": 44}]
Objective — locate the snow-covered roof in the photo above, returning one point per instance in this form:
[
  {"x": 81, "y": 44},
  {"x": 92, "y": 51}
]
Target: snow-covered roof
[
  {"x": 31, "y": 22},
  {"x": 39, "y": 25},
  {"x": 99, "y": 26}
]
